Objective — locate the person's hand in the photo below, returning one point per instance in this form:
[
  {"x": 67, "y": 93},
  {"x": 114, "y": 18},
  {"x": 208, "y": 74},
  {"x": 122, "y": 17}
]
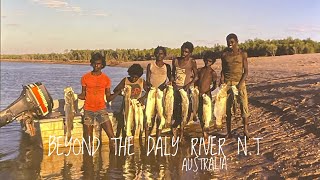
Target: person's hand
[
  {"x": 174, "y": 85},
  {"x": 81, "y": 96},
  {"x": 239, "y": 85},
  {"x": 187, "y": 87},
  {"x": 169, "y": 83},
  {"x": 221, "y": 82},
  {"x": 141, "y": 100},
  {"x": 162, "y": 87}
]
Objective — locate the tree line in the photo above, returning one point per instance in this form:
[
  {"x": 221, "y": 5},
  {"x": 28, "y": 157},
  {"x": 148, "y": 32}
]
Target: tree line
[{"x": 254, "y": 48}]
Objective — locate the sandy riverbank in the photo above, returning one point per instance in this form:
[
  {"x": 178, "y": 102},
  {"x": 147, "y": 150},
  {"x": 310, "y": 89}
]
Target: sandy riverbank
[{"x": 284, "y": 103}]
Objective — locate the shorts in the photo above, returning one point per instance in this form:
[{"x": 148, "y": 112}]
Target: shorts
[
  {"x": 100, "y": 116},
  {"x": 242, "y": 99},
  {"x": 177, "y": 109}
]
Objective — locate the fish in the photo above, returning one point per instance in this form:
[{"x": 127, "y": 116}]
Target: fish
[
  {"x": 127, "y": 94},
  {"x": 159, "y": 107},
  {"x": 141, "y": 116},
  {"x": 207, "y": 110},
  {"x": 150, "y": 107},
  {"x": 69, "y": 109},
  {"x": 235, "y": 93},
  {"x": 130, "y": 118},
  {"x": 135, "y": 115},
  {"x": 138, "y": 117},
  {"x": 220, "y": 97},
  {"x": 168, "y": 104},
  {"x": 185, "y": 106},
  {"x": 195, "y": 102}
]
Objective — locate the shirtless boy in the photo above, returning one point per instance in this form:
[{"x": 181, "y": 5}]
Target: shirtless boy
[
  {"x": 207, "y": 77},
  {"x": 184, "y": 74},
  {"x": 234, "y": 72}
]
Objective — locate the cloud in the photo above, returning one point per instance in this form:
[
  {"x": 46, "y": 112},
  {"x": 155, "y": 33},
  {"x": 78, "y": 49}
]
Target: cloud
[
  {"x": 304, "y": 29},
  {"x": 64, "y": 6},
  {"x": 52, "y": 3},
  {"x": 100, "y": 14},
  {"x": 60, "y": 5},
  {"x": 75, "y": 9}
]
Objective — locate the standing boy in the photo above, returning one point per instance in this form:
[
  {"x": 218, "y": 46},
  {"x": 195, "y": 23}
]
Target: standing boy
[
  {"x": 96, "y": 85},
  {"x": 137, "y": 84},
  {"x": 207, "y": 77},
  {"x": 184, "y": 72},
  {"x": 158, "y": 74},
  {"x": 234, "y": 73}
]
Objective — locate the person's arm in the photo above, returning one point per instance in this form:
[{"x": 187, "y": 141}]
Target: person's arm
[
  {"x": 222, "y": 70},
  {"x": 214, "y": 80},
  {"x": 117, "y": 90},
  {"x": 148, "y": 75},
  {"x": 173, "y": 80},
  {"x": 108, "y": 94},
  {"x": 197, "y": 83},
  {"x": 245, "y": 69},
  {"x": 82, "y": 96},
  {"x": 195, "y": 78},
  {"x": 146, "y": 89},
  {"x": 169, "y": 76}
]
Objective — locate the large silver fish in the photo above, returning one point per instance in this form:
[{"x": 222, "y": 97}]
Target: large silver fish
[
  {"x": 130, "y": 118},
  {"x": 141, "y": 116},
  {"x": 168, "y": 104},
  {"x": 127, "y": 94},
  {"x": 138, "y": 117},
  {"x": 69, "y": 109},
  {"x": 195, "y": 102},
  {"x": 207, "y": 110},
  {"x": 220, "y": 97},
  {"x": 159, "y": 106},
  {"x": 150, "y": 107},
  {"x": 235, "y": 93},
  {"x": 185, "y": 106}
]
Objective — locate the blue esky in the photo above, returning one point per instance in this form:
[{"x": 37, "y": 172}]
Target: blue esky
[{"x": 45, "y": 26}]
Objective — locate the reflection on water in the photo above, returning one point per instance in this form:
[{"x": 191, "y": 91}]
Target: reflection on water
[
  {"x": 33, "y": 163},
  {"x": 20, "y": 159}
]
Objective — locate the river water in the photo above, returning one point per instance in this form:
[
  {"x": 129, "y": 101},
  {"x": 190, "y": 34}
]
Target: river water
[{"x": 20, "y": 159}]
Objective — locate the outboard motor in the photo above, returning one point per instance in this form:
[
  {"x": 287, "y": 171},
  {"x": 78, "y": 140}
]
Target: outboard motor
[{"x": 34, "y": 102}]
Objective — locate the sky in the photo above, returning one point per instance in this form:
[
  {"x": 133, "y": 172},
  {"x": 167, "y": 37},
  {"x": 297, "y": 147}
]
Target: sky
[{"x": 46, "y": 26}]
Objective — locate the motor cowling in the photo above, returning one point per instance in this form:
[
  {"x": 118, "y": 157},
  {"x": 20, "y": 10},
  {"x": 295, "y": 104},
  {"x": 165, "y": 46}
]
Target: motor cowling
[{"x": 34, "y": 99}]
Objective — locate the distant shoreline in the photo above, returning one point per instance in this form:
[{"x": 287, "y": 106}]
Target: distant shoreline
[
  {"x": 45, "y": 61},
  {"x": 126, "y": 64}
]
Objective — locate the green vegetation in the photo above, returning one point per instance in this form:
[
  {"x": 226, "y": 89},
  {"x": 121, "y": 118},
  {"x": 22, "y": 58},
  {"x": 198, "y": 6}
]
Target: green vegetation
[{"x": 255, "y": 48}]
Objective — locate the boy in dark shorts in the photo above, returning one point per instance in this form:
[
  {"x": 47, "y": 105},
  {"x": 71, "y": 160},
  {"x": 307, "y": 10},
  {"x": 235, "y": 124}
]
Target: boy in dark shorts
[
  {"x": 184, "y": 74},
  {"x": 206, "y": 77}
]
